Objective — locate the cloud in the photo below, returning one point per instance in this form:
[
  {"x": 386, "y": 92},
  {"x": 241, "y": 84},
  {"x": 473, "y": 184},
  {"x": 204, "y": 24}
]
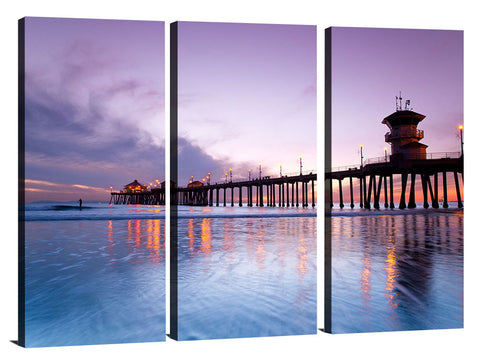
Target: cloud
[
  {"x": 36, "y": 190},
  {"x": 193, "y": 160},
  {"x": 87, "y": 121}
]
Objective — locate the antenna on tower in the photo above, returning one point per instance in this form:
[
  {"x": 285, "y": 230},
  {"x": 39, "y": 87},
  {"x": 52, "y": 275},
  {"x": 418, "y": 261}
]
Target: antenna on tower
[
  {"x": 407, "y": 104},
  {"x": 398, "y": 102}
]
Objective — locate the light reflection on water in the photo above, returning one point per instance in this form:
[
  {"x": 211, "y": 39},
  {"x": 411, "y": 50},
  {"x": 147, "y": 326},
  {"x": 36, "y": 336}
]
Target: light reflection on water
[
  {"x": 397, "y": 272},
  {"x": 94, "y": 282},
  {"x": 244, "y": 277}
]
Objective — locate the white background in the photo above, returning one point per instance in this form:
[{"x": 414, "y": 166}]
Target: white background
[{"x": 437, "y": 344}]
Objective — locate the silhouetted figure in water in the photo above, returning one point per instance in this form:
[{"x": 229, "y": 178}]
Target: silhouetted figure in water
[{"x": 80, "y": 202}]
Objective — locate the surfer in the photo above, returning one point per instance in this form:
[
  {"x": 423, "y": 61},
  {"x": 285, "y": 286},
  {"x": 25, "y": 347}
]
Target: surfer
[{"x": 80, "y": 202}]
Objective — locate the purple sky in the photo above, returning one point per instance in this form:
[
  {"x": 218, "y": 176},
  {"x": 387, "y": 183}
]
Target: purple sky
[
  {"x": 247, "y": 95},
  {"x": 95, "y": 106},
  {"x": 370, "y": 67}
]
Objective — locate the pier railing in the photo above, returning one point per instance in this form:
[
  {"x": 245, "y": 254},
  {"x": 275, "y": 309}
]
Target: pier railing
[
  {"x": 345, "y": 168},
  {"x": 441, "y": 155},
  {"x": 254, "y": 177},
  {"x": 386, "y": 159}
]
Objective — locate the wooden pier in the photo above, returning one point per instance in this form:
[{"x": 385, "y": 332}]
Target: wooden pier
[
  {"x": 154, "y": 196},
  {"x": 283, "y": 191},
  {"x": 371, "y": 177}
]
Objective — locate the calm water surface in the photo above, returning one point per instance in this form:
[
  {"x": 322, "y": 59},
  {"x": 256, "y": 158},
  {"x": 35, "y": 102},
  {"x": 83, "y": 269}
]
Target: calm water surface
[
  {"x": 397, "y": 270},
  {"x": 245, "y": 272},
  {"x": 92, "y": 281}
]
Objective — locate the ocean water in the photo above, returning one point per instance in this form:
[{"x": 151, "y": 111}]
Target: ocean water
[
  {"x": 94, "y": 276},
  {"x": 98, "y": 275},
  {"x": 246, "y": 272},
  {"x": 396, "y": 269}
]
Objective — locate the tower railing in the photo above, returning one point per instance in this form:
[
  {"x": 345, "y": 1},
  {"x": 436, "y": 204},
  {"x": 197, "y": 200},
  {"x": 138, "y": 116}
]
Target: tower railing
[{"x": 406, "y": 133}]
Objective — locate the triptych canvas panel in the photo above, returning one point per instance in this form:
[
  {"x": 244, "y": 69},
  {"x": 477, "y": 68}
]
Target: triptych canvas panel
[
  {"x": 92, "y": 100},
  {"x": 242, "y": 191},
  {"x": 244, "y": 219},
  {"x": 394, "y": 180}
]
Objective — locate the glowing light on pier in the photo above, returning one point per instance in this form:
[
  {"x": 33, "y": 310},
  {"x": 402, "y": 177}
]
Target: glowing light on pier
[{"x": 460, "y": 127}]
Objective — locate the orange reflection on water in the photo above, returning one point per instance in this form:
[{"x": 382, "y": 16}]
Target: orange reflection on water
[
  {"x": 392, "y": 273},
  {"x": 147, "y": 235},
  {"x": 206, "y": 236},
  {"x": 110, "y": 232},
  {"x": 111, "y": 243},
  {"x": 134, "y": 232},
  {"x": 149, "y": 232},
  {"x": 155, "y": 211},
  {"x": 129, "y": 233},
  {"x": 137, "y": 232},
  {"x": 191, "y": 237},
  {"x": 154, "y": 241}
]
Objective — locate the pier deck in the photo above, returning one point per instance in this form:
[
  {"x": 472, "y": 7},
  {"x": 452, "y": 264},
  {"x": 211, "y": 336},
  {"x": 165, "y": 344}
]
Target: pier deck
[{"x": 372, "y": 175}]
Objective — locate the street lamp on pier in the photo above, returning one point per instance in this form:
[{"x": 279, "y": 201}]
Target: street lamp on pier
[
  {"x": 460, "y": 127},
  {"x": 361, "y": 155}
]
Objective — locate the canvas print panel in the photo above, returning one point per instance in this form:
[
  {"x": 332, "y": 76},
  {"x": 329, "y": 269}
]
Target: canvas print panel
[
  {"x": 244, "y": 229},
  {"x": 394, "y": 180},
  {"x": 92, "y": 238}
]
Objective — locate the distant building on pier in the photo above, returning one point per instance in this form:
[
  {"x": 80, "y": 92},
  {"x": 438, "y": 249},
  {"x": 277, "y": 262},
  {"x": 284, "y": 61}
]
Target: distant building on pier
[
  {"x": 195, "y": 184},
  {"x": 134, "y": 187}
]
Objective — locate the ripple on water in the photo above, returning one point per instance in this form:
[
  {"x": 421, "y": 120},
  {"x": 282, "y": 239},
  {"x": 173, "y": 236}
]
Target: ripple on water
[
  {"x": 105, "y": 284},
  {"x": 402, "y": 272}
]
